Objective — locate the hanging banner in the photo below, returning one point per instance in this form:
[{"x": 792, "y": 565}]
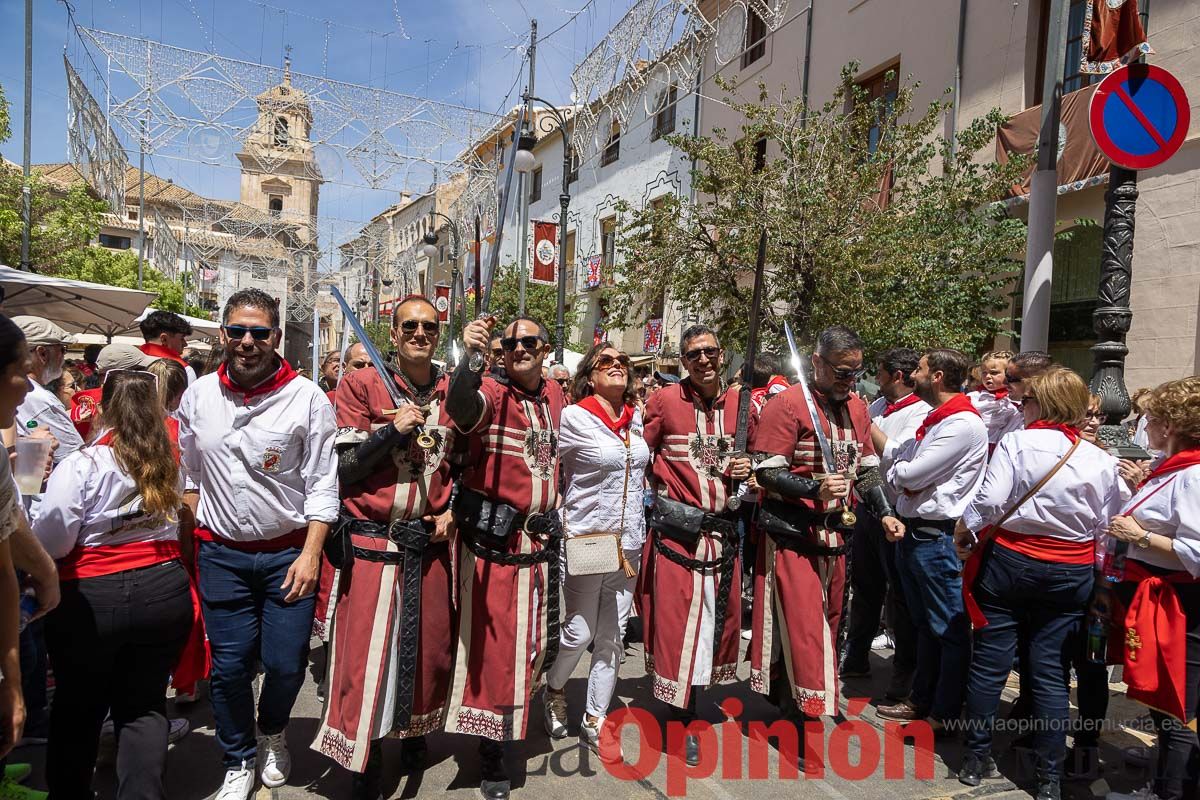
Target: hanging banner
[
  {"x": 441, "y": 301},
  {"x": 652, "y": 338},
  {"x": 598, "y": 333},
  {"x": 592, "y": 272},
  {"x": 1112, "y": 36},
  {"x": 545, "y": 252}
]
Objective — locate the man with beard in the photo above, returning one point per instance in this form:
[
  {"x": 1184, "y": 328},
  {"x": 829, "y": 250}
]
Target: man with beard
[
  {"x": 507, "y": 543},
  {"x": 41, "y": 409},
  {"x": 256, "y": 447},
  {"x": 393, "y": 634},
  {"x": 934, "y": 475},
  {"x": 692, "y": 619},
  {"x": 793, "y": 650}
]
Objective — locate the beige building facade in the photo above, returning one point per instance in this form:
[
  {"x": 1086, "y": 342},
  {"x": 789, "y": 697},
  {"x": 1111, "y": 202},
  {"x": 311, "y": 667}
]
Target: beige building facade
[{"x": 1002, "y": 60}]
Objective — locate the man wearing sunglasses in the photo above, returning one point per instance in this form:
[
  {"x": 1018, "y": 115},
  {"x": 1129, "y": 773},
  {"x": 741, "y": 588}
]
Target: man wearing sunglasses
[
  {"x": 686, "y": 592},
  {"x": 1019, "y": 370},
  {"x": 801, "y": 561},
  {"x": 509, "y": 533},
  {"x": 397, "y": 520},
  {"x": 256, "y": 447}
]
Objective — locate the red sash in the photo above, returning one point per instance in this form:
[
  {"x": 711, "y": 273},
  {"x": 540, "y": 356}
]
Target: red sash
[
  {"x": 905, "y": 402},
  {"x": 1155, "y": 642},
  {"x": 591, "y": 404},
  {"x": 1043, "y": 548},
  {"x": 295, "y": 538},
  {"x": 1069, "y": 431}
]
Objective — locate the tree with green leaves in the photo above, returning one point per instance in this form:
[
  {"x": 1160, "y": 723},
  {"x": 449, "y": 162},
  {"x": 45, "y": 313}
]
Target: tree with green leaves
[
  {"x": 874, "y": 220},
  {"x": 541, "y": 301}
]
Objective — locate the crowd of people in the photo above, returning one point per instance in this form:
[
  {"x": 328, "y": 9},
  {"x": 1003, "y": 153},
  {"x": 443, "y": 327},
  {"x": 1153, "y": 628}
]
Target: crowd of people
[{"x": 459, "y": 538}]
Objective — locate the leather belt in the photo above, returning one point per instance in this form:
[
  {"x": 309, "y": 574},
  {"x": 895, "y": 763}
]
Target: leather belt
[
  {"x": 727, "y": 533},
  {"x": 944, "y": 526},
  {"x": 548, "y": 528},
  {"x": 412, "y": 537}
]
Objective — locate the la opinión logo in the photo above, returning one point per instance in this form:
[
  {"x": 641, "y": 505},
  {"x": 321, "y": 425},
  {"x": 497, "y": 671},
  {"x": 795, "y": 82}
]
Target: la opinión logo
[{"x": 721, "y": 747}]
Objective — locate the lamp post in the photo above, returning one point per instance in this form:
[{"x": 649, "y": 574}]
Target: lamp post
[
  {"x": 430, "y": 251},
  {"x": 523, "y": 162}
]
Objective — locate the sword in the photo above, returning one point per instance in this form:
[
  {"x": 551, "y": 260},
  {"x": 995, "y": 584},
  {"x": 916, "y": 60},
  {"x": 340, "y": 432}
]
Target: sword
[
  {"x": 743, "y": 418},
  {"x": 848, "y": 516},
  {"x": 424, "y": 440}
]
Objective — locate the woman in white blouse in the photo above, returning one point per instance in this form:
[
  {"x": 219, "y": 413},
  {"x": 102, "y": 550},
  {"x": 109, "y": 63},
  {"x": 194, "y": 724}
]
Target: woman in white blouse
[
  {"x": 1160, "y": 527},
  {"x": 602, "y": 458},
  {"x": 1037, "y": 573}
]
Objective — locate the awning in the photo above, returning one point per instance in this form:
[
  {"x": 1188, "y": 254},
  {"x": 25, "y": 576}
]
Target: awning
[{"x": 76, "y": 306}]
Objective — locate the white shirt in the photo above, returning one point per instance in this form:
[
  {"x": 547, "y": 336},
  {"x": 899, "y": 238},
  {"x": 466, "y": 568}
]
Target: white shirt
[
  {"x": 899, "y": 426},
  {"x": 1000, "y": 414},
  {"x": 90, "y": 501},
  {"x": 1173, "y": 511},
  {"x": 42, "y": 407},
  {"x": 936, "y": 477},
  {"x": 592, "y": 461},
  {"x": 264, "y": 467},
  {"x": 1076, "y": 502}
]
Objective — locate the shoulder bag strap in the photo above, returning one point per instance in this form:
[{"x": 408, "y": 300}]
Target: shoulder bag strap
[
  {"x": 1037, "y": 487},
  {"x": 629, "y": 570}
]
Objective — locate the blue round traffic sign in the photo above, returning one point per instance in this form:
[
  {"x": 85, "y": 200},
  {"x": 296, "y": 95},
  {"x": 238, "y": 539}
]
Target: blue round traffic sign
[{"x": 1139, "y": 116}]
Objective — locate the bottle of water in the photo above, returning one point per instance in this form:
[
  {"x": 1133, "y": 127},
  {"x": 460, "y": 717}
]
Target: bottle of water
[
  {"x": 1114, "y": 561},
  {"x": 28, "y": 608}
]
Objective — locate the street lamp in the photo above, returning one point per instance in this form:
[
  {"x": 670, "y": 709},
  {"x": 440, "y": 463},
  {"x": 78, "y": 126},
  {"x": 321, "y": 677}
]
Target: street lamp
[
  {"x": 430, "y": 251},
  {"x": 525, "y": 156}
]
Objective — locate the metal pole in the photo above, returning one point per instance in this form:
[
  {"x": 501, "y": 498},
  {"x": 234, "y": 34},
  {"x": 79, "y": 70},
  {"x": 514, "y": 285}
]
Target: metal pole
[
  {"x": 1043, "y": 192},
  {"x": 522, "y": 242},
  {"x": 26, "y": 191},
  {"x": 141, "y": 202},
  {"x": 564, "y": 201},
  {"x": 808, "y": 28},
  {"x": 958, "y": 64}
]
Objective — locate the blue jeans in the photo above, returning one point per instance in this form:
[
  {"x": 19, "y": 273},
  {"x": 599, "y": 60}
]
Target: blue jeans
[
  {"x": 1047, "y": 602},
  {"x": 930, "y": 574},
  {"x": 247, "y": 621}
]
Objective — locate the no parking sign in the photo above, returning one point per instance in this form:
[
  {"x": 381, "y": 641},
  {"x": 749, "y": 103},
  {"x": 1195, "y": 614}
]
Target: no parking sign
[{"x": 1139, "y": 116}]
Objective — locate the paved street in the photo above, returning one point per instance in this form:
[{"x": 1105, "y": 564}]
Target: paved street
[{"x": 541, "y": 768}]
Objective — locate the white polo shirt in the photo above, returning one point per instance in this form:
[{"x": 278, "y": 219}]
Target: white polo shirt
[
  {"x": 1173, "y": 511},
  {"x": 264, "y": 466},
  {"x": 936, "y": 477},
  {"x": 899, "y": 426},
  {"x": 43, "y": 408}
]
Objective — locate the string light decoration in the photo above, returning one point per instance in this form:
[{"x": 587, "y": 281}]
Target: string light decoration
[{"x": 93, "y": 147}]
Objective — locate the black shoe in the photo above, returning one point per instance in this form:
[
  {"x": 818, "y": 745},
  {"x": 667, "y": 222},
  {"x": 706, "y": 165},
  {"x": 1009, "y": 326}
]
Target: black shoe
[
  {"x": 494, "y": 783},
  {"x": 974, "y": 769},
  {"x": 855, "y": 670},
  {"x": 368, "y": 785},
  {"x": 1083, "y": 762},
  {"x": 691, "y": 750},
  {"x": 413, "y": 753},
  {"x": 1048, "y": 789}
]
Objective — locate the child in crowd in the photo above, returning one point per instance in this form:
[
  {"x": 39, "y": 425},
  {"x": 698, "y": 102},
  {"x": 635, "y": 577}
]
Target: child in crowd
[{"x": 991, "y": 398}]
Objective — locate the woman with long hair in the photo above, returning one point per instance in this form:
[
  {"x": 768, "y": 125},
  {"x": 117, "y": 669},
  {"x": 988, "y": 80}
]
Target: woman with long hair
[
  {"x": 602, "y": 458},
  {"x": 110, "y": 515},
  {"x": 172, "y": 383},
  {"x": 1046, "y": 493},
  {"x": 1159, "y": 532}
]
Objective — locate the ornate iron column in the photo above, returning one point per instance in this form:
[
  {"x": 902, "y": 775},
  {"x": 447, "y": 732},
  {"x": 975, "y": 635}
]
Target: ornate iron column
[{"x": 1112, "y": 318}]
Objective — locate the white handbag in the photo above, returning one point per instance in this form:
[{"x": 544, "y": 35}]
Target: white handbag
[{"x": 601, "y": 553}]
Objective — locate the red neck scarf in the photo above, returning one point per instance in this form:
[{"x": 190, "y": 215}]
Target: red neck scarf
[
  {"x": 158, "y": 351},
  {"x": 615, "y": 425},
  {"x": 959, "y": 404},
  {"x": 282, "y": 377},
  {"x": 1069, "y": 431},
  {"x": 999, "y": 394},
  {"x": 904, "y": 402},
  {"x": 1181, "y": 460}
]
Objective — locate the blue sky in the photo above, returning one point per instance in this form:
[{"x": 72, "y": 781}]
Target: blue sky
[{"x": 467, "y": 49}]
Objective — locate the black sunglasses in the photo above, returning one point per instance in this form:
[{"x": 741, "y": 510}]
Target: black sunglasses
[
  {"x": 708, "y": 352},
  {"x": 530, "y": 343},
  {"x": 843, "y": 374},
  {"x": 410, "y": 326},
  {"x": 238, "y": 332},
  {"x": 1009, "y": 378}
]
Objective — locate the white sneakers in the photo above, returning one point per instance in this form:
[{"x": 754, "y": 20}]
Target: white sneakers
[
  {"x": 883, "y": 642},
  {"x": 276, "y": 760},
  {"x": 600, "y": 741},
  {"x": 239, "y": 783},
  {"x": 554, "y": 709}
]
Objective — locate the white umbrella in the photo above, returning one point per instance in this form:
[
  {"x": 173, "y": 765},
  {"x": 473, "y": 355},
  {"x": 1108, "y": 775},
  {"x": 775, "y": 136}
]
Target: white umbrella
[{"x": 76, "y": 306}]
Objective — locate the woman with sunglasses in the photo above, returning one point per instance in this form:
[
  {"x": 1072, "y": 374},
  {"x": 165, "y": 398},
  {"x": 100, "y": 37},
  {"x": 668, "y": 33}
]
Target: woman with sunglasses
[
  {"x": 110, "y": 515},
  {"x": 1160, "y": 526},
  {"x": 603, "y": 458}
]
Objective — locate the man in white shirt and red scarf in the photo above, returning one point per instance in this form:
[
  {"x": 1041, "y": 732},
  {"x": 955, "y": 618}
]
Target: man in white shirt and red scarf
[
  {"x": 874, "y": 581},
  {"x": 507, "y": 540},
  {"x": 166, "y": 336},
  {"x": 935, "y": 475},
  {"x": 690, "y": 560},
  {"x": 257, "y": 450},
  {"x": 393, "y": 632},
  {"x": 800, "y": 573}
]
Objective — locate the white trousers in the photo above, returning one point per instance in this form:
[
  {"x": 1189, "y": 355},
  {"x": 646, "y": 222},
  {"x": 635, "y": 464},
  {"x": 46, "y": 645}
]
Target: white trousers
[{"x": 596, "y": 610}]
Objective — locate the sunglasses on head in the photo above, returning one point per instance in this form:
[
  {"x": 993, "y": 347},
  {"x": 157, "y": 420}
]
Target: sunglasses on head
[
  {"x": 530, "y": 343},
  {"x": 410, "y": 326},
  {"x": 606, "y": 361},
  {"x": 708, "y": 352},
  {"x": 238, "y": 332},
  {"x": 141, "y": 374}
]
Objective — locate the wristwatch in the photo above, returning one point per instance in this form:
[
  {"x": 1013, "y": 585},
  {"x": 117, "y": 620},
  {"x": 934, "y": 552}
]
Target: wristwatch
[{"x": 1144, "y": 541}]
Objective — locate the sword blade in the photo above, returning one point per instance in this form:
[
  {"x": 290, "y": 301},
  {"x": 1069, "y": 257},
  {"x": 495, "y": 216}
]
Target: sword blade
[
  {"x": 372, "y": 353},
  {"x": 818, "y": 428}
]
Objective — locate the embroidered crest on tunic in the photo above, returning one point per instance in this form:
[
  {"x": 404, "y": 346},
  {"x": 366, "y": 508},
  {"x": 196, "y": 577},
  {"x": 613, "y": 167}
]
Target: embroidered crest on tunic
[
  {"x": 709, "y": 454},
  {"x": 413, "y": 461},
  {"x": 541, "y": 447}
]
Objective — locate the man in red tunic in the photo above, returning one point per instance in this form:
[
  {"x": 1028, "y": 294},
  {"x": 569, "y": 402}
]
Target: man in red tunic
[
  {"x": 507, "y": 540},
  {"x": 691, "y": 618},
  {"x": 392, "y": 632},
  {"x": 793, "y": 647}
]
